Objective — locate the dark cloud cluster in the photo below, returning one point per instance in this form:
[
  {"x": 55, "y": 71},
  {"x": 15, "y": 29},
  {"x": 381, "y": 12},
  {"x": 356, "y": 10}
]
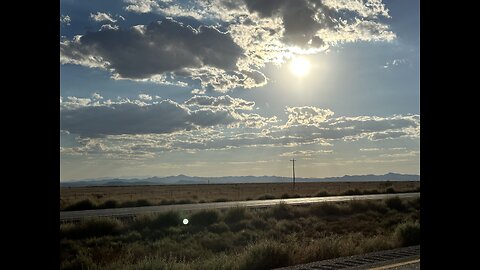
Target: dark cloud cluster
[
  {"x": 130, "y": 118},
  {"x": 143, "y": 51},
  {"x": 301, "y": 18}
]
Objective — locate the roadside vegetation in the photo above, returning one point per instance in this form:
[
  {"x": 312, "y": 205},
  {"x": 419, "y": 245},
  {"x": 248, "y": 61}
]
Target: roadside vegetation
[
  {"x": 240, "y": 238},
  {"x": 73, "y": 199}
]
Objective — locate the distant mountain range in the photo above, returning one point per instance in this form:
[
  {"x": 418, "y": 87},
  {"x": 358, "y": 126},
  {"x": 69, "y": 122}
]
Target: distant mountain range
[{"x": 185, "y": 180}]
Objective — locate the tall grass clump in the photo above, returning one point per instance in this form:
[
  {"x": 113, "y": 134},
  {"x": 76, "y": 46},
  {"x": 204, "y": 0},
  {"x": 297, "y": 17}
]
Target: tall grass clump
[
  {"x": 282, "y": 211},
  {"x": 408, "y": 233},
  {"x": 94, "y": 227},
  {"x": 204, "y": 218},
  {"x": 81, "y": 205},
  {"x": 235, "y": 214},
  {"x": 395, "y": 203},
  {"x": 265, "y": 255}
]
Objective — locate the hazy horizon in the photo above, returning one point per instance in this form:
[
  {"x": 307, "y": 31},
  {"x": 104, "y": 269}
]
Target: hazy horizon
[
  {"x": 215, "y": 88},
  {"x": 140, "y": 177}
]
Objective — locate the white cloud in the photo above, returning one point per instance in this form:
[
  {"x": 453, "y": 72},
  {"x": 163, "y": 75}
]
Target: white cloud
[
  {"x": 395, "y": 63},
  {"x": 108, "y": 27},
  {"x": 307, "y": 115},
  {"x": 373, "y": 149},
  {"x": 145, "y": 97},
  {"x": 65, "y": 19},
  {"x": 140, "y": 6},
  {"x": 305, "y": 153},
  {"x": 221, "y": 101},
  {"x": 101, "y": 17},
  {"x": 96, "y": 96}
]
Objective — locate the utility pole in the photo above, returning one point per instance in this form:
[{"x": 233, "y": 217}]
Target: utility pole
[{"x": 293, "y": 160}]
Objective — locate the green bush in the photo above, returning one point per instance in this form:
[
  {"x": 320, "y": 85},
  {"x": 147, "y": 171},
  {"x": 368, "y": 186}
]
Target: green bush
[
  {"x": 282, "y": 211},
  {"x": 266, "y": 197},
  {"x": 143, "y": 203},
  {"x": 93, "y": 227},
  {"x": 235, "y": 214},
  {"x": 322, "y": 194},
  {"x": 81, "y": 205},
  {"x": 395, "y": 203},
  {"x": 264, "y": 255},
  {"x": 216, "y": 243},
  {"x": 220, "y": 227},
  {"x": 390, "y": 190},
  {"x": 221, "y": 200},
  {"x": 128, "y": 204},
  {"x": 204, "y": 218},
  {"x": 108, "y": 204},
  {"x": 325, "y": 209},
  {"x": 165, "y": 220},
  {"x": 408, "y": 234},
  {"x": 352, "y": 192}
]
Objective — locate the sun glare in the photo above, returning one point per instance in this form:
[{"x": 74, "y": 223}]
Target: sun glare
[{"x": 300, "y": 66}]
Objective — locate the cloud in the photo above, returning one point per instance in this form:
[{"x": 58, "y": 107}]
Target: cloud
[
  {"x": 65, "y": 19},
  {"x": 101, "y": 17},
  {"x": 143, "y": 51},
  {"x": 145, "y": 97},
  {"x": 395, "y": 63},
  {"x": 221, "y": 101},
  {"x": 129, "y": 118},
  {"x": 109, "y": 27},
  {"x": 374, "y": 149},
  {"x": 305, "y": 153},
  {"x": 145, "y": 127},
  {"x": 140, "y": 6},
  {"x": 307, "y": 115}
]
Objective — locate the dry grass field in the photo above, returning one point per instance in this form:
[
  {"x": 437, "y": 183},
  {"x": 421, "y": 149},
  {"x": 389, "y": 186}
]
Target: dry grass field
[{"x": 224, "y": 192}]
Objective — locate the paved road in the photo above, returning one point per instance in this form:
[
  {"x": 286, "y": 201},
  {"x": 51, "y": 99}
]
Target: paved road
[{"x": 124, "y": 212}]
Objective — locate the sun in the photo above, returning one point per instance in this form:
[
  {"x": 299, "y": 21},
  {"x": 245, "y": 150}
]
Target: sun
[{"x": 300, "y": 66}]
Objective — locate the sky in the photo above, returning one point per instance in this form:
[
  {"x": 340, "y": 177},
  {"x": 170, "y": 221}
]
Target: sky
[{"x": 238, "y": 87}]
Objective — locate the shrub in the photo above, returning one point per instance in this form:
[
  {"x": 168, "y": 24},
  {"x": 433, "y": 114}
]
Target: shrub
[
  {"x": 109, "y": 204},
  {"x": 167, "y": 202},
  {"x": 281, "y": 211},
  {"x": 165, "y": 220},
  {"x": 322, "y": 194},
  {"x": 185, "y": 201},
  {"x": 408, "y": 234},
  {"x": 216, "y": 243},
  {"x": 81, "y": 205},
  {"x": 143, "y": 202},
  {"x": 235, "y": 214},
  {"x": 285, "y": 196},
  {"x": 325, "y": 209},
  {"x": 390, "y": 190},
  {"x": 220, "y": 227},
  {"x": 259, "y": 223},
  {"x": 352, "y": 192},
  {"x": 264, "y": 255},
  {"x": 266, "y": 197},
  {"x": 221, "y": 200},
  {"x": 93, "y": 227},
  {"x": 128, "y": 204},
  {"x": 204, "y": 217},
  {"x": 395, "y": 203},
  {"x": 373, "y": 191}
]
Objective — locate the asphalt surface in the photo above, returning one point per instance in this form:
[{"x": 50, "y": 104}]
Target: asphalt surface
[{"x": 66, "y": 216}]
